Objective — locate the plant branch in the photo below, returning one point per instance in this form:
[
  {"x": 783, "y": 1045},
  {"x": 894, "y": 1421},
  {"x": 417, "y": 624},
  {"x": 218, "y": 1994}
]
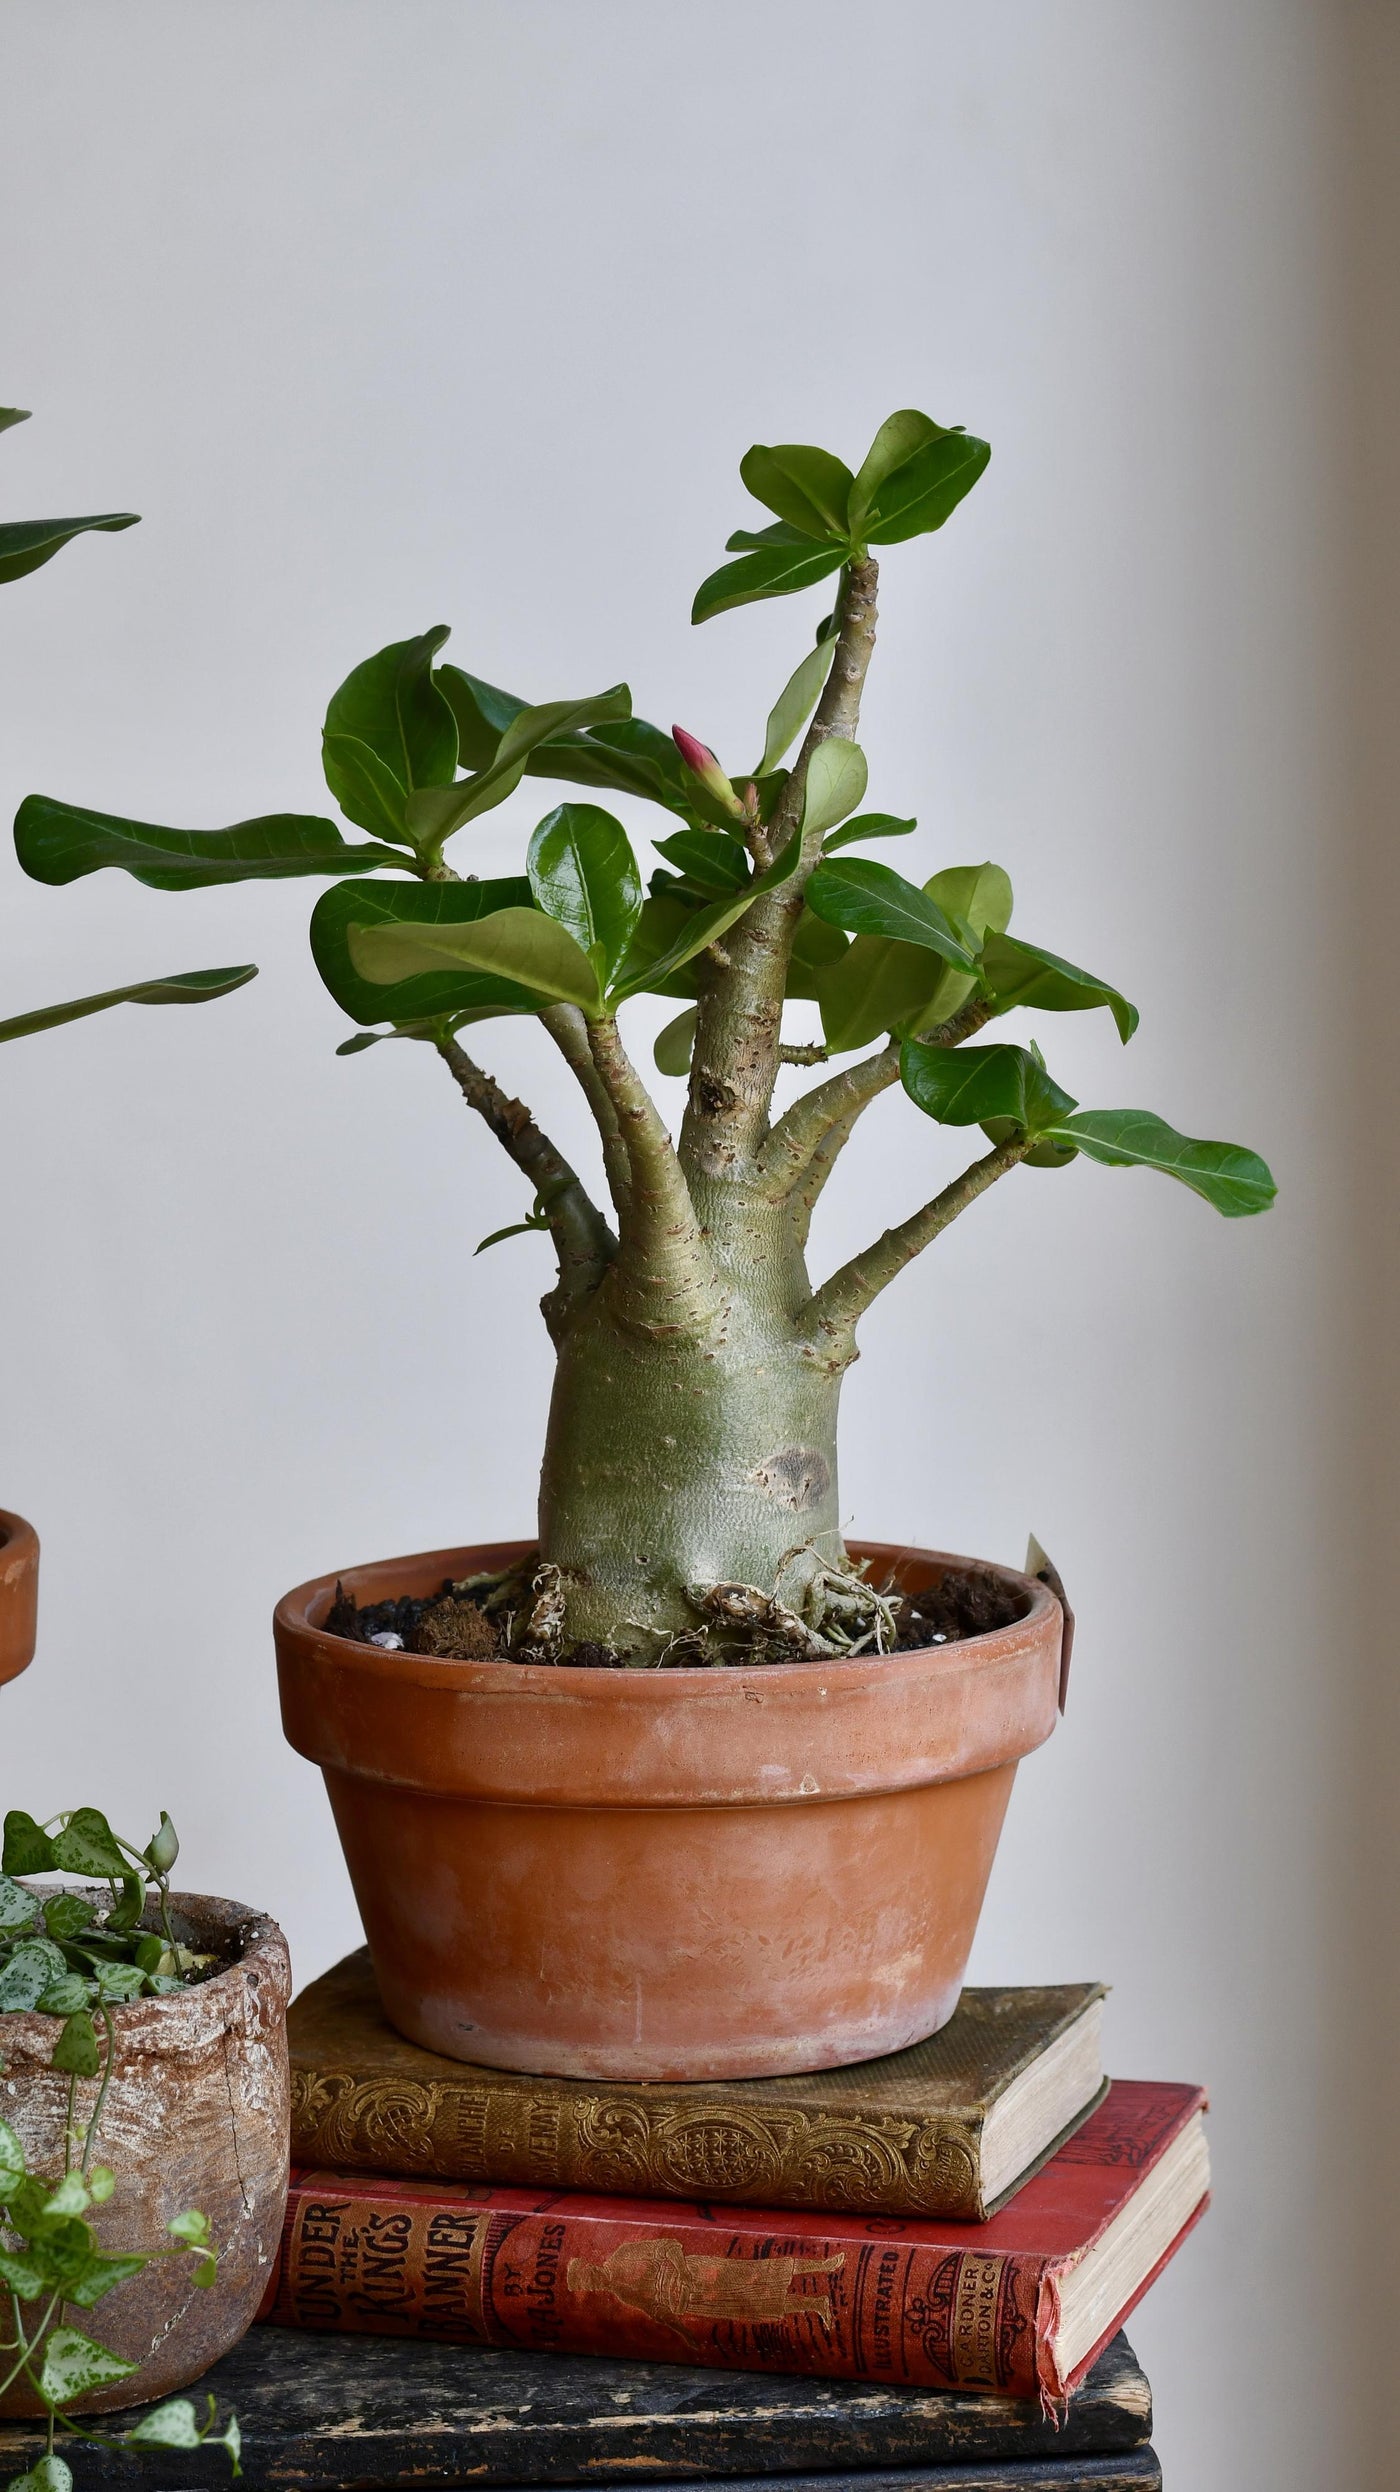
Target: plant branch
[
  {"x": 738, "y": 1033},
  {"x": 569, "y": 1031},
  {"x": 832, "y": 1314},
  {"x": 664, "y": 1278},
  {"x": 584, "y": 1243},
  {"x": 784, "y": 1162}
]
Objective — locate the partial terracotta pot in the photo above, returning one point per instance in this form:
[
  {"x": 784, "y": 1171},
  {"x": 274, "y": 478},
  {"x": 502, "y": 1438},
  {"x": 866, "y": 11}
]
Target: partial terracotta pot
[
  {"x": 19, "y": 1594},
  {"x": 197, "y": 2116},
  {"x": 667, "y": 1873}
]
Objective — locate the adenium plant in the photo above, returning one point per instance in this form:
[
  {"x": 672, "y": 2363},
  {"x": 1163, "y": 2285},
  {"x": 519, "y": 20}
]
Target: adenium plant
[
  {"x": 25, "y": 544},
  {"x": 690, "y": 1475}
]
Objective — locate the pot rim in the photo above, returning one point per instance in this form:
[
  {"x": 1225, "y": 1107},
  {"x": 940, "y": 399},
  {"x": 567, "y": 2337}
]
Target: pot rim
[
  {"x": 293, "y": 1618},
  {"x": 150, "y": 2025}
]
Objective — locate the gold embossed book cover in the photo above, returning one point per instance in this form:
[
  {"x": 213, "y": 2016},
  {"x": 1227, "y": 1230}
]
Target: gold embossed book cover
[{"x": 952, "y": 2127}]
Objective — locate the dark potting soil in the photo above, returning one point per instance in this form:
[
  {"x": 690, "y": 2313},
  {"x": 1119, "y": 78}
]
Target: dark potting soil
[{"x": 452, "y": 1625}]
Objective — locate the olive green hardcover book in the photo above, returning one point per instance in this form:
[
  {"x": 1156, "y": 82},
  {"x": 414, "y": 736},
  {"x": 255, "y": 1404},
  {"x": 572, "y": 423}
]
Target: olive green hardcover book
[{"x": 950, "y": 2127}]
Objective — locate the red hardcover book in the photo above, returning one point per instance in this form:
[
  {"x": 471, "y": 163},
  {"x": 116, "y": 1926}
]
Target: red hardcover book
[{"x": 1019, "y": 2306}]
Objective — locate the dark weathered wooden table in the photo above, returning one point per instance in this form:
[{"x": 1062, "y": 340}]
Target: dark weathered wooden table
[{"x": 327, "y": 2413}]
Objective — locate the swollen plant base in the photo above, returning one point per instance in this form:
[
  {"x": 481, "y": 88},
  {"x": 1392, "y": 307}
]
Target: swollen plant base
[{"x": 680, "y": 1873}]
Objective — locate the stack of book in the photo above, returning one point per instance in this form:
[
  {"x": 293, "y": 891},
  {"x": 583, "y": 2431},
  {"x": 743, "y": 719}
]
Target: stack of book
[{"x": 977, "y": 2213}]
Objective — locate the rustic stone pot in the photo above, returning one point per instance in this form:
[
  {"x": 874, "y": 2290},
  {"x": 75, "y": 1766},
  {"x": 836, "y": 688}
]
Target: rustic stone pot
[
  {"x": 19, "y": 1593},
  {"x": 676, "y": 1874},
  {"x": 197, "y": 2116}
]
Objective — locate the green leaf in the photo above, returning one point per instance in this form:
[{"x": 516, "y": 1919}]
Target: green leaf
[
  {"x": 714, "y": 860},
  {"x": 70, "y": 2197},
  {"x": 168, "y": 2426},
  {"x": 55, "y": 843},
  {"x": 125, "y": 1915},
  {"x": 13, "y": 415},
  {"x": 1019, "y": 973},
  {"x": 836, "y": 778},
  {"x": 28, "y": 1851},
  {"x": 87, "y": 1848},
  {"x": 895, "y": 443},
  {"x": 979, "y": 893},
  {"x": 776, "y": 570},
  {"x": 795, "y": 703},
  {"x": 868, "y": 826},
  {"x": 76, "y": 2051},
  {"x": 206, "y": 2273},
  {"x": 49, "y": 2473},
  {"x": 27, "y": 1972},
  {"x": 583, "y": 874},
  {"x": 11, "y": 2157},
  {"x": 433, "y": 814},
  {"x": 1232, "y": 1180},
  {"x": 969, "y": 1085},
  {"x": 191, "y": 2226},
  {"x": 868, "y": 898},
  {"x": 482, "y": 711},
  {"x": 672, "y": 1051},
  {"x": 120, "y": 1981},
  {"x": 520, "y": 944},
  {"x": 187, "y": 986},
  {"x": 431, "y": 995},
  {"x": 516, "y": 1228},
  {"x": 163, "y": 1850},
  {"x": 757, "y": 540},
  {"x": 18, "y": 1908},
  {"x": 100, "y": 2274},
  {"x": 628, "y": 754},
  {"x": 702, "y": 927},
  {"x": 65, "y": 1915},
  {"x": 808, "y": 488},
  {"x": 101, "y": 2182},
  {"x": 816, "y": 948},
  {"x": 62, "y": 1998},
  {"x": 26, "y": 543},
  {"x": 74, "y": 2366},
  {"x": 22, "y": 2275},
  {"x": 925, "y": 489},
  {"x": 390, "y": 730}
]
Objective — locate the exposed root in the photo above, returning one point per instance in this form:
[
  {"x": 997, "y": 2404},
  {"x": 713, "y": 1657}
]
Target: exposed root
[
  {"x": 527, "y": 1603},
  {"x": 832, "y": 1613}
]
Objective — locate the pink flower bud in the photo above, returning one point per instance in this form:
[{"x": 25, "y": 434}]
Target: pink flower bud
[{"x": 701, "y": 762}]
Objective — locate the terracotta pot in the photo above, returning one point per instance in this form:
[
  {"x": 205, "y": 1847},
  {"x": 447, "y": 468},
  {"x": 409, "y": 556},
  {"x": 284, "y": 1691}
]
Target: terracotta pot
[
  {"x": 197, "y": 2116},
  {"x": 667, "y": 1873},
  {"x": 19, "y": 1594}
]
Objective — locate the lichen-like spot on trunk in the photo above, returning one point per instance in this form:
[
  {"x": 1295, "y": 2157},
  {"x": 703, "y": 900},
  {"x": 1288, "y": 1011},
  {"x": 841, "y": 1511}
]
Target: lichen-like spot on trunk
[{"x": 799, "y": 1477}]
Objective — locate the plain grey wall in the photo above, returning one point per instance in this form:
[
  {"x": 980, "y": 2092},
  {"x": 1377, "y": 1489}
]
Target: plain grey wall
[{"x": 390, "y": 314}]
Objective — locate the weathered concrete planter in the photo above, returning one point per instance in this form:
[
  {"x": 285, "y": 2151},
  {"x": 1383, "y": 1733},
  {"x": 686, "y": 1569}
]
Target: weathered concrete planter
[
  {"x": 196, "y": 2117},
  {"x": 667, "y": 1873},
  {"x": 19, "y": 1593}
]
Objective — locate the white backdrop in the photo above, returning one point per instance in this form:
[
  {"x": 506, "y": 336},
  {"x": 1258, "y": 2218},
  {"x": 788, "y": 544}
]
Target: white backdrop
[{"x": 385, "y": 315}]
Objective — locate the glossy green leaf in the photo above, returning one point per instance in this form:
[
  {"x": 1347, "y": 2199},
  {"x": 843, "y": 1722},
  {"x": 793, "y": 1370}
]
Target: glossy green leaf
[
  {"x": 1236, "y": 1182},
  {"x": 896, "y": 442},
  {"x": 55, "y": 843},
  {"x": 979, "y": 893},
  {"x": 672, "y": 1051},
  {"x": 1020, "y": 973},
  {"x": 836, "y": 781},
  {"x": 583, "y": 873},
  {"x": 27, "y": 543},
  {"x": 869, "y": 898},
  {"x": 757, "y": 540},
  {"x": 795, "y": 703},
  {"x": 868, "y": 826},
  {"x": 969, "y": 1085},
  {"x": 626, "y": 754},
  {"x": 187, "y": 986},
  {"x": 816, "y": 948},
  {"x": 74, "y": 2366},
  {"x": 714, "y": 860},
  {"x": 665, "y": 914},
  {"x": 702, "y": 927},
  {"x": 774, "y": 571},
  {"x": 926, "y": 489},
  {"x": 808, "y": 488},
  {"x": 87, "y": 1848},
  {"x": 433, "y": 814},
  {"x": 388, "y": 731},
  {"x": 521, "y": 944},
  {"x": 421, "y": 998},
  {"x": 27, "y": 1851},
  {"x": 878, "y": 986},
  {"x": 13, "y": 415}
]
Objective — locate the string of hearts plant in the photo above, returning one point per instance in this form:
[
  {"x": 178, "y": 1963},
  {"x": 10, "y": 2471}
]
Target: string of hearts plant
[
  {"x": 72, "y": 1956},
  {"x": 689, "y": 1504}
]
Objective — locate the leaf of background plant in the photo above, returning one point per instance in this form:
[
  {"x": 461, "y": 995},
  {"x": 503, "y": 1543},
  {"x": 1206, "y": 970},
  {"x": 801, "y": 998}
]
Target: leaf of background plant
[
  {"x": 420, "y": 998},
  {"x": 583, "y": 873},
  {"x": 795, "y": 703},
  {"x": 73, "y": 2365},
  {"x": 703, "y": 927},
  {"x": 868, "y": 826},
  {"x": 1236, "y": 1182},
  {"x": 836, "y": 781},
  {"x": 49, "y": 2473},
  {"x": 101, "y": 2273},
  {"x": 27, "y": 1972},
  {"x": 433, "y": 814},
  {"x": 18, "y": 1908},
  {"x": 28, "y": 1851},
  {"x": 521, "y": 944},
  {"x": 55, "y": 843},
  {"x": 87, "y": 1848},
  {"x": 869, "y": 898},
  {"x": 23, "y": 2276},
  {"x": 809, "y": 488},
  {"x": 926, "y": 489},
  {"x": 168, "y": 2426},
  {"x": 774, "y": 571},
  {"x": 187, "y": 986},
  {"x": 25, "y": 544},
  {"x": 13, "y": 415},
  {"x": 1020, "y": 973},
  {"x": 673, "y": 1048}
]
